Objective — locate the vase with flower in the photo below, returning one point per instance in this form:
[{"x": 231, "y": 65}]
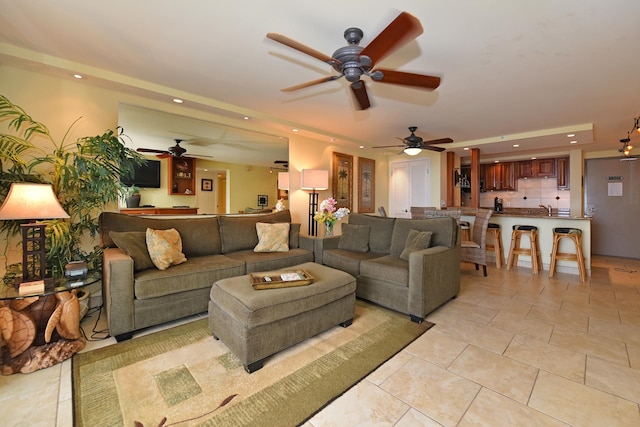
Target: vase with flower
[{"x": 328, "y": 215}]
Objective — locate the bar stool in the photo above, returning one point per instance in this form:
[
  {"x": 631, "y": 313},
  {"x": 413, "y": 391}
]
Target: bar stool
[
  {"x": 496, "y": 245},
  {"x": 533, "y": 250},
  {"x": 464, "y": 230},
  {"x": 575, "y": 235}
]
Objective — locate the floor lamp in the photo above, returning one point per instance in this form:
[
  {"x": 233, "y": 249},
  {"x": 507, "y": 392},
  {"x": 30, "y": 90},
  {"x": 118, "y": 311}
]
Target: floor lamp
[
  {"x": 314, "y": 179},
  {"x": 31, "y": 202}
]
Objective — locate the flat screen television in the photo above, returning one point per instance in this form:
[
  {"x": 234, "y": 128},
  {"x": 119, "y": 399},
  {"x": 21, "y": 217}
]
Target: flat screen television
[{"x": 144, "y": 176}]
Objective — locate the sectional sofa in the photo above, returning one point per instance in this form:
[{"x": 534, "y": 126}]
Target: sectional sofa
[{"x": 137, "y": 295}]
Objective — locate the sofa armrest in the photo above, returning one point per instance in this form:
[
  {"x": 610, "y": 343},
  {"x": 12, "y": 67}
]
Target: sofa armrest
[
  {"x": 319, "y": 244},
  {"x": 434, "y": 278},
  {"x": 117, "y": 291}
]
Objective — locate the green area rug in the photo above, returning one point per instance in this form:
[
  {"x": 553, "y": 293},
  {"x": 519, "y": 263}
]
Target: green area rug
[{"x": 182, "y": 376}]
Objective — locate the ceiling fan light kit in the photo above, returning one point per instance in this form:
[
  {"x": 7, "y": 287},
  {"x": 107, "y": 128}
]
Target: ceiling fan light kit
[
  {"x": 413, "y": 144},
  {"x": 354, "y": 61}
]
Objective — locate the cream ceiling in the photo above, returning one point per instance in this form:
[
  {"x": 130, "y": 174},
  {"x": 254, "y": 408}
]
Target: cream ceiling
[{"x": 513, "y": 72}]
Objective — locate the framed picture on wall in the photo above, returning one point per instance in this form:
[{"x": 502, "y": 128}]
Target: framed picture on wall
[
  {"x": 342, "y": 180},
  {"x": 263, "y": 200},
  {"x": 366, "y": 185},
  {"x": 207, "y": 184}
]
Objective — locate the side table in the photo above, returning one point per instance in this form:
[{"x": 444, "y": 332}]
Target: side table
[{"x": 41, "y": 329}]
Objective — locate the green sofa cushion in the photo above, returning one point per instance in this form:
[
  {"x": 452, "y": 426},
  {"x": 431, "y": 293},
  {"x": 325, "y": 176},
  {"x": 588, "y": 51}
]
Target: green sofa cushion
[
  {"x": 354, "y": 238},
  {"x": 416, "y": 240},
  {"x": 134, "y": 244},
  {"x": 380, "y": 231}
]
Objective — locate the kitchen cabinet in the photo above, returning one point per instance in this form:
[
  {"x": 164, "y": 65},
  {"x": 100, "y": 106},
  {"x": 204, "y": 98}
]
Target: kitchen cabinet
[
  {"x": 499, "y": 176},
  {"x": 537, "y": 168},
  {"x": 182, "y": 176},
  {"x": 562, "y": 164}
]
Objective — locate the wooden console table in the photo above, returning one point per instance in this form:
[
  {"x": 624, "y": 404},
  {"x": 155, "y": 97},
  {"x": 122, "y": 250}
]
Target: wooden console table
[{"x": 159, "y": 211}]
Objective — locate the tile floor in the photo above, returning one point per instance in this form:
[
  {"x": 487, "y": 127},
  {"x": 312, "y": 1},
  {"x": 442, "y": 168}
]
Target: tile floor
[{"x": 512, "y": 350}]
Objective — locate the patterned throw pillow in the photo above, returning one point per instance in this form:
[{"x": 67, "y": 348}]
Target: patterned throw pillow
[
  {"x": 272, "y": 237},
  {"x": 165, "y": 248},
  {"x": 416, "y": 241}
]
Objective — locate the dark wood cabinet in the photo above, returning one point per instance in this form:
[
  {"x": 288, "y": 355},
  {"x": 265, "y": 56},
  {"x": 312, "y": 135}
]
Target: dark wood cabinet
[
  {"x": 499, "y": 176},
  {"x": 562, "y": 164},
  {"x": 182, "y": 176},
  {"x": 537, "y": 168}
]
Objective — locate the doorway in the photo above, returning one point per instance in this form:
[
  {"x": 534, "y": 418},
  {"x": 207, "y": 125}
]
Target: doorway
[{"x": 612, "y": 199}]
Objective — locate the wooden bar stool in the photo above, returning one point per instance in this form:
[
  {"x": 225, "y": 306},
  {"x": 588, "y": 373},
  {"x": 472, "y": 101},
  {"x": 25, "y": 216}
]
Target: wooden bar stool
[
  {"x": 465, "y": 228},
  {"x": 496, "y": 244},
  {"x": 575, "y": 235},
  {"x": 533, "y": 250}
]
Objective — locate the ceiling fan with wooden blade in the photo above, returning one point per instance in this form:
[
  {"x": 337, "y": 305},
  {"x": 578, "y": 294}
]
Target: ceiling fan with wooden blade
[
  {"x": 413, "y": 144},
  {"x": 173, "y": 151},
  {"x": 353, "y": 61}
]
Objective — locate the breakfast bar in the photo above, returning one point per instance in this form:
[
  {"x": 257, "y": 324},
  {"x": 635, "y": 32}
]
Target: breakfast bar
[{"x": 545, "y": 223}]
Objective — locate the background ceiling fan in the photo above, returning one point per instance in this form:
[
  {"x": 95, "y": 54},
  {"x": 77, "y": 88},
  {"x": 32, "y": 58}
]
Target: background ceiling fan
[
  {"x": 413, "y": 144},
  {"x": 353, "y": 61},
  {"x": 173, "y": 151}
]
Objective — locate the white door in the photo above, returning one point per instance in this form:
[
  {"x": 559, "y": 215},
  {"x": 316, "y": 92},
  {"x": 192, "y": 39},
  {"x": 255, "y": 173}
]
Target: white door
[{"x": 409, "y": 186}]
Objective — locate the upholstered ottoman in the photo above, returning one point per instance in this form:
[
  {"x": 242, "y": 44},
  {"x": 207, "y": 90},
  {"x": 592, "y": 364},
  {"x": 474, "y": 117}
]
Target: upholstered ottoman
[{"x": 255, "y": 324}]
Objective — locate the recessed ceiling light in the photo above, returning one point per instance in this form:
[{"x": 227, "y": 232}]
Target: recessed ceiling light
[
  {"x": 362, "y": 146},
  {"x": 516, "y": 145},
  {"x": 573, "y": 142},
  {"x": 496, "y": 161},
  {"x": 78, "y": 76},
  {"x": 246, "y": 117},
  {"x": 533, "y": 158},
  {"x": 466, "y": 148},
  {"x": 294, "y": 130},
  {"x": 571, "y": 135},
  {"x": 178, "y": 100}
]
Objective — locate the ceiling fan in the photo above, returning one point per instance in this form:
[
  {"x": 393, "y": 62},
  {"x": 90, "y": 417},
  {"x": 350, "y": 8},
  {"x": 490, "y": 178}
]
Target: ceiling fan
[
  {"x": 353, "y": 61},
  {"x": 173, "y": 151},
  {"x": 413, "y": 144}
]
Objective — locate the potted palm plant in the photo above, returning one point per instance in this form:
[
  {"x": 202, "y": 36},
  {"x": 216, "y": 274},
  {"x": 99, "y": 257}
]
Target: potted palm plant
[
  {"x": 84, "y": 174},
  {"x": 131, "y": 196}
]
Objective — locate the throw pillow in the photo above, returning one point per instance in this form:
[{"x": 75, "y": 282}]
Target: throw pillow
[
  {"x": 416, "y": 240},
  {"x": 272, "y": 237},
  {"x": 165, "y": 248},
  {"x": 354, "y": 238},
  {"x": 134, "y": 244}
]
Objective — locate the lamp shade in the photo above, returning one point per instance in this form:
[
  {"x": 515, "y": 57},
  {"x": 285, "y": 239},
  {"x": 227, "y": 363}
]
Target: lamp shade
[
  {"x": 31, "y": 201},
  {"x": 314, "y": 179},
  {"x": 283, "y": 180},
  {"x": 412, "y": 151}
]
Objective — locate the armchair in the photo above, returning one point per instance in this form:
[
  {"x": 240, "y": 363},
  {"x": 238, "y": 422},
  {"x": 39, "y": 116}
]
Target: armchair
[{"x": 474, "y": 250}]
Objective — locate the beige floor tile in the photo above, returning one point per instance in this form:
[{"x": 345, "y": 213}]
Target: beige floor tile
[
  {"x": 549, "y": 301},
  {"x": 518, "y": 324},
  {"x": 390, "y": 367},
  {"x": 436, "y": 348},
  {"x": 414, "y": 418},
  {"x": 615, "y": 330},
  {"x": 630, "y": 317},
  {"x": 612, "y": 378},
  {"x": 440, "y": 395},
  {"x": 549, "y": 357},
  {"x": 580, "y": 405},
  {"x": 591, "y": 310},
  {"x": 486, "y": 337},
  {"x": 364, "y": 404},
  {"x": 64, "y": 417},
  {"x": 598, "y": 346},
  {"x": 464, "y": 310},
  {"x": 493, "y": 409},
  {"x": 634, "y": 355},
  {"x": 576, "y": 321},
  {"x": 503, "y": 303},
  {"x": 498, "y": 373}
]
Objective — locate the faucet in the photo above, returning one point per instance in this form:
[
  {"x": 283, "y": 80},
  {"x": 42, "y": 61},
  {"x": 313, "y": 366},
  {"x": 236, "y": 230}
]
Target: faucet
[{"x": 548, "y": 208}]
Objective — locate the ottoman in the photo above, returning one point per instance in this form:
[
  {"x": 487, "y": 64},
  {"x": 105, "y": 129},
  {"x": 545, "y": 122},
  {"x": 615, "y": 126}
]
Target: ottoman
[{"x": 255, "y": 324}]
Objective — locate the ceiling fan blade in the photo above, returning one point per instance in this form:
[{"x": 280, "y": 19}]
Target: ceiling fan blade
[
  {"x": 302, "y": 48},
  {"x": 439, "y": 141},
  {"x": 388, "y": 146},
  {"x": 399, "y": 32},
  {"x": 432, "y": 148},
  {"x": 409, "y": 79},
  {"x": 150, "y": 150},
  {"x": 359, "y": 91},
  {"x": 311, "y": 83}
]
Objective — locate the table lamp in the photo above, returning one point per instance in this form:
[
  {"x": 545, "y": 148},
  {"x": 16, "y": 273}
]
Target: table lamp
[
  {"x": 314, "y": 179},
  {"x": 32, "y": 202}
]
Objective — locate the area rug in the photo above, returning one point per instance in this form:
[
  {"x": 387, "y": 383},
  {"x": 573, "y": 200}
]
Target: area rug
[{"x": 182, "y": 376}]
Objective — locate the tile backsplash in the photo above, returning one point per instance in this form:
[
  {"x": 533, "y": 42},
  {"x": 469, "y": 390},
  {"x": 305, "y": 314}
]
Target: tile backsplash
[{"x": 531, "y": 193}]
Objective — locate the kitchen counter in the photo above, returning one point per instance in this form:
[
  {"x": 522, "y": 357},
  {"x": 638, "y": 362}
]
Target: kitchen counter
[{"x": 545, "y": 225}]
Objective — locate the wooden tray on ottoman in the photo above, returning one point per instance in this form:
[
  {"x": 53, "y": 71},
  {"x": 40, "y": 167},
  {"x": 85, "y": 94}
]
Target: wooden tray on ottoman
[{"x": 280, "y": 279}]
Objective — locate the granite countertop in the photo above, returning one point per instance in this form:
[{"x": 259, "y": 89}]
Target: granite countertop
[{"x": 536, "y": 213}]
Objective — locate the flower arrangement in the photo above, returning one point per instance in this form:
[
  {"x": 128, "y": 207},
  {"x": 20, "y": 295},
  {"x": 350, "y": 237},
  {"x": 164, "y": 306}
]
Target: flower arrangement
[{"x": 329, "y": 215}]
